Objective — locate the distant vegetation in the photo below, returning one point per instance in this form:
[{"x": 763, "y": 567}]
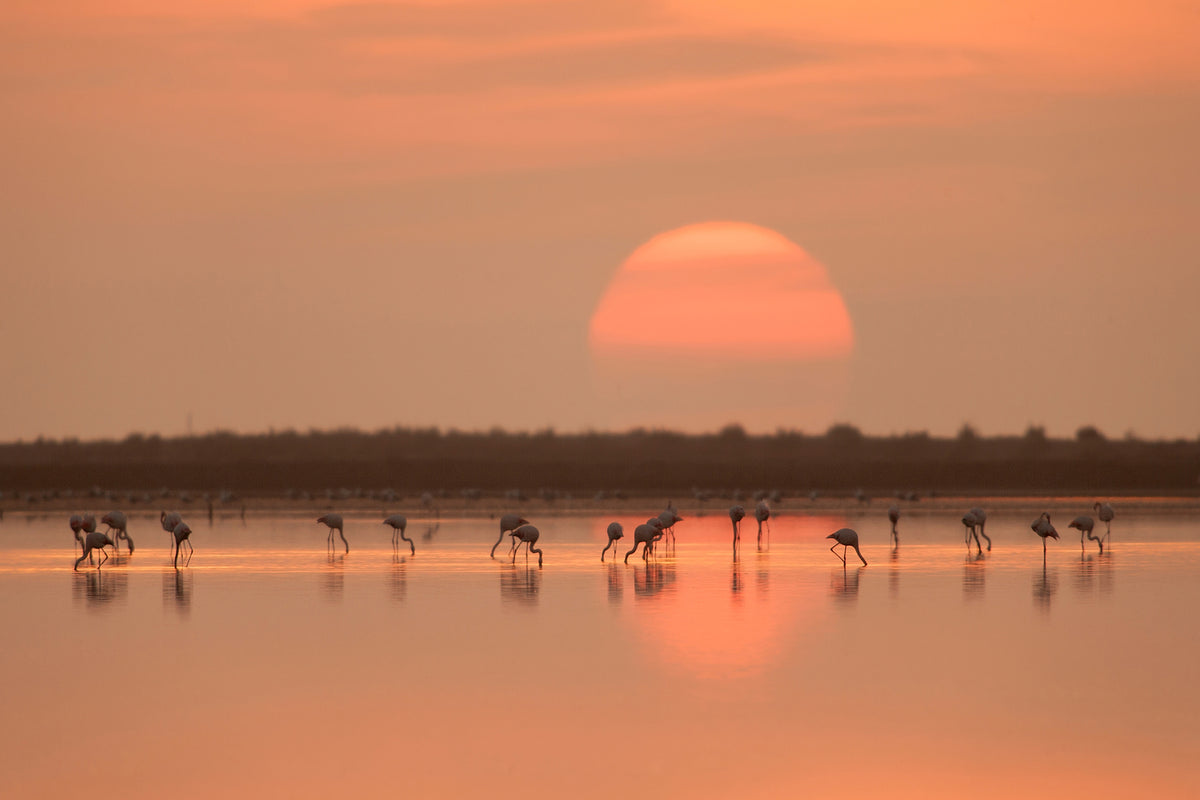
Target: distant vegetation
[{"x": 418, "y": 459}]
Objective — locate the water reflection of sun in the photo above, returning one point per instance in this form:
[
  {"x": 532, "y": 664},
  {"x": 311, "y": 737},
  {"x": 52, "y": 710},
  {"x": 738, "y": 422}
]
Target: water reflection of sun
[{"x": 715, "y": 618}]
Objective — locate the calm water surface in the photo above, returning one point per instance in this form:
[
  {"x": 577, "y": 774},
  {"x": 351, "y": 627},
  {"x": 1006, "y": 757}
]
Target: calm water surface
[{"x": 271, "y": 667}]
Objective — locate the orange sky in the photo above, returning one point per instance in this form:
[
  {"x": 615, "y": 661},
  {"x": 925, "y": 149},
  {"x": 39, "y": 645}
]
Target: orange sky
[{"x": 320, "y": 214}]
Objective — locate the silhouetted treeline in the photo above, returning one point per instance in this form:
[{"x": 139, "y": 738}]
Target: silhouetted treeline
[{"x": 841, "y": 459}]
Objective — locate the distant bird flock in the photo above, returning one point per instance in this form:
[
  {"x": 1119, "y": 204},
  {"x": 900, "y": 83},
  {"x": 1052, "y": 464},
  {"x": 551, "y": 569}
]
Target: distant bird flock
[{"x": 656, "y": 530}]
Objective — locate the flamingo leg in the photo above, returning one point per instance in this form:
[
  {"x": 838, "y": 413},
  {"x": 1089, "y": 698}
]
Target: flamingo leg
[{"x": 836, "y": 553}]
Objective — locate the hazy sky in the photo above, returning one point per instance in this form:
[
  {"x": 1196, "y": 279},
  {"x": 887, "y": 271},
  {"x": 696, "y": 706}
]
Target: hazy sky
[{"x": 369, "y": 214}]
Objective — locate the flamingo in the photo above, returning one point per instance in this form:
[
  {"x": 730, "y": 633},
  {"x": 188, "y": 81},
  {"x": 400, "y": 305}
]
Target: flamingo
[
  {"x": 736, "y": 514},
  {"x": 168, "y": 522},
  {"x": 981, "y": 516},
  {"x": 669, "y": 517},
  {"x": 76, "y": 526},
  {"x": 1105, "y": 512},
  {"x": 399, "y": 522},
  {"x": 615, "y": 532},
  {"x": 762, "y": 513},
  {"x": 95, "y": 541},
  {"x": 115, "y": 520},
  {"x": 527, "y": 535},
  {"x": 643, "y": 534},
  {"x": 334, "y": 521},
  {"x": 1043, "y": 528},
  {"x": 846, "y": 537},
  {"x": 508, "y": 524},
  {"x": 894, "y": 517},
  {"x": 181, "y": 534},
  {"x": 1085, "y": 524},
  {"x": 660, "y": 529}
]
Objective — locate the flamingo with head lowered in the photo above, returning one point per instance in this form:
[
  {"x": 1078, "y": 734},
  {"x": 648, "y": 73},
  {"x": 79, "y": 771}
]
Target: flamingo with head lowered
[
  {"x": 508, "y": 524},
  {"x": 615, "y": 532},
  {"x": 526, "y": 535},
  {"x": 847, "y": 538},
  {"x": 399, "y": 522},
  {"x": 334, "y": 522}
]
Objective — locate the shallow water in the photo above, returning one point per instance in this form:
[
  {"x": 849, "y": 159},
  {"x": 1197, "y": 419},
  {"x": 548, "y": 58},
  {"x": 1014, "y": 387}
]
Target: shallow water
[{"x": 271, "y": 666}]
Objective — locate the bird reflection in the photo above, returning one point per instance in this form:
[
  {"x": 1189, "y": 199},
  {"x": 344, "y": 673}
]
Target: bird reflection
[
  {"x": 974, "y": 575},
  {"x": 894, "y": 571},
  {"x": 736, "y": 582},
  {"x": 653, "y": 579},
  {"x": 520, "y": 584},
  {"x": 177, "y": 590},
  {"x": 1045, "y": 584},
  {"x": 843, "y": 585},
  {"x": 763, "y": 576},
  {"x": 333, "y": 578},
  {"x": 1093, "y": 572},
  {"x": 99, "y": 588},
  {"x": 616, "y": 585},
  {"x": 398, "y": 579}
]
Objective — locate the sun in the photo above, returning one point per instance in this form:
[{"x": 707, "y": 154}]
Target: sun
[{"x": 706, "y": 312}]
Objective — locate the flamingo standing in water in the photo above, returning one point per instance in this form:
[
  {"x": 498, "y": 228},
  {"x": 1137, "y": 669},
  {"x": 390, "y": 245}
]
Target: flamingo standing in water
[
  {"x": 95, "y": 541},
  {"x": 334, "y": 521},
  {"x": 762, "y": 513},
  {"x": 668, "y": 518},
  {"x": 399, "y": 522},
  {"x": 181, "y": 534},
  {"x": 115, "y": 520},
  {"x": 615, "y": 532},
  {"x": 736, "y": 514},
  {"x": 847, "y": 538},
  {"x": 981, "y": 521},
  {"x": 1043, "y": 528},
  {"x": 508, "y": 524},
  {"x": 77, "y": 526},
  {"x": 894, "y": 517},
  {"x": 643, "y": 535},
  {"x": 1105, "y": 512},
  {"x": 528, "y": 536},
  {"x": 168, "y": 522},
  {"x": 1084, "y": 524}
]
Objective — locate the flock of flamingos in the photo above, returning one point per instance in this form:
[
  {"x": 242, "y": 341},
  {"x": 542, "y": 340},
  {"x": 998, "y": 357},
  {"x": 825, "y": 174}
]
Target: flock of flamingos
[{"x": 647, "y": 535}]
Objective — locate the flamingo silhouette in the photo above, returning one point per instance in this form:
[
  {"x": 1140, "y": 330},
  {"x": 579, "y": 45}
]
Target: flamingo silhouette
[
  {"x": 399, "y": 522},
  {"x": 334, "y": 521},
  {"x": 1084, "y": 524},
  {"x": 615, "y": 532},
  {"x": 508, "y": 524},
  {"x": 76, "y": 523},
  {"x": 847, "y": 538},
  {"x": 762, "y": 513},
  {"x": 736, "y": 514},
  {"x": 981, "y": 521},
  {"x": 181, "y": 534},
  {"x": 115, "y": 520},
  {"x": 95, "y": 541},
  {"x": 668, "y": 518},
  {"x": 168, "y": 522},
  {"x": 894, "y": 517},
  {"x": 1043, "y": 528},
  {"x": 643, "y": 535},
  {"x": 1105, "y": 512},
  {"x": 527, "y": 535}
]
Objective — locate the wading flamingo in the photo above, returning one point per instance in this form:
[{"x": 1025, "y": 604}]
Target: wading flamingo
[
  {"x": 1105, "y": 512},
  {"x": 981, "y": 518},
  {"x": 334, "y": 521},
  {"x": 508, "y": 524},
  {"x": 894, "y": 517},
  {"x": 77, "y": 526},
  {"x": 1042, "y": 527},
  {"x": 168, "y": 522},
  {"x": 668, "y": 518},
  {"x": 181, "y": 534},
  {"x": 399, "y": 522},
  {"x": 762, "y": 513},
  {"x": 736, "y": 514},
  {"x": 95, "y": 541},
  {"x": 644, "y": 535},
  {"x": 615, "y": 532},
  {"x": 1084, "y": 524},
  {"x": 846, "y": 537},
  {"x": 527, "y": 535},
  {"x": 115, "y": 520}
]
